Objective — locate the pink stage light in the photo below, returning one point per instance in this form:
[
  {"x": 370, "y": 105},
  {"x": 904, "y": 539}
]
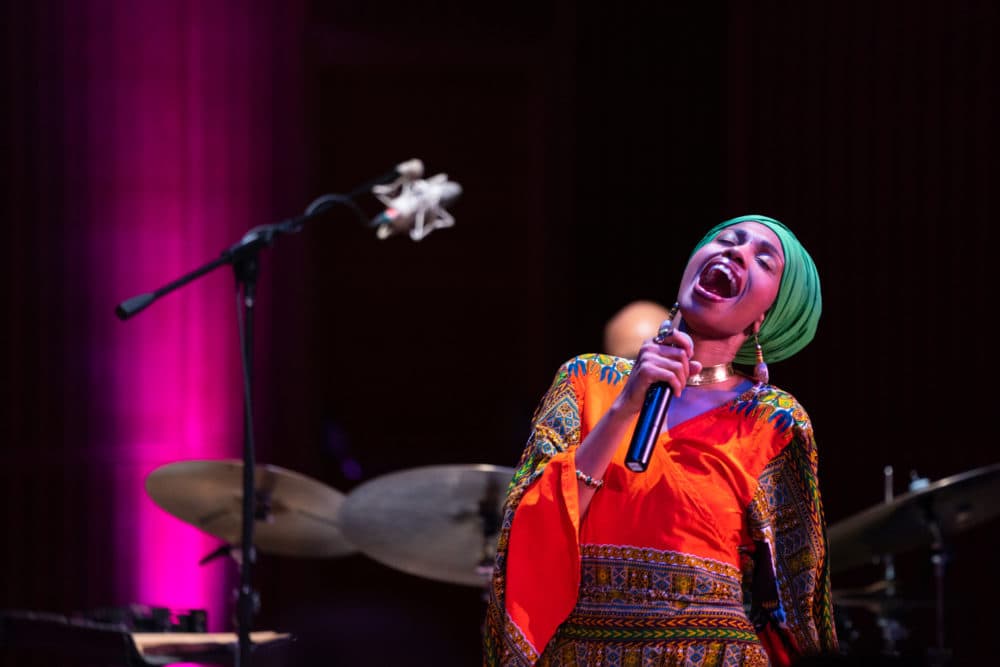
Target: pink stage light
[{"x": 170, "y": 181}]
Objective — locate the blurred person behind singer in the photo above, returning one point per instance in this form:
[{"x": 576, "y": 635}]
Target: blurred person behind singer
[{"x": 635, "y": 323}]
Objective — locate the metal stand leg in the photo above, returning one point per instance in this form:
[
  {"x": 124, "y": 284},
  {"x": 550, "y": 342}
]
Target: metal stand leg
[{"x": 939, "y": 656}]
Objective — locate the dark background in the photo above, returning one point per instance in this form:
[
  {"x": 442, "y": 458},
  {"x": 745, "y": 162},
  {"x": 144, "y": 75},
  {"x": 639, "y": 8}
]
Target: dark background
[{"x": 594, "y": 145}]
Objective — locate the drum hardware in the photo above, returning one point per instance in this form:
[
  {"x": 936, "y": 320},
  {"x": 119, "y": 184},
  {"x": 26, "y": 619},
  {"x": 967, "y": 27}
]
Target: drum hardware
[
  {"x": 892, "y": 630},
  {"x": 294, "y": 515},
  {"x": 225, "y": 549},
  {"x": 440, "y": 522},
  {"x": 885, "y": 606},
  {"x": 926, "y": 516},
  {"x": 113, "y": 643},
  {"x": 909, "y": 521},
  {"x": 145, "y": 618}
]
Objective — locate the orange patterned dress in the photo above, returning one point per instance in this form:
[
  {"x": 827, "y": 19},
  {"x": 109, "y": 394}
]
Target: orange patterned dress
[{"x": 716, "y": 555}]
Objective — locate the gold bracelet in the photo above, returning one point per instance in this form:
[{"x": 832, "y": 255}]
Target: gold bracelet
[{"x": 588, "y": 480}]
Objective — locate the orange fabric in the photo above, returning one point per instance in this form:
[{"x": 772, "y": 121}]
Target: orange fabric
[
  {"x": 691, "y": 499},
  {"x": 546, "y": 524}
]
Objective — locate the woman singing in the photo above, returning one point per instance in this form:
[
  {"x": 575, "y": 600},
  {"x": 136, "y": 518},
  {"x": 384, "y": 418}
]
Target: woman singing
[{"x": 715, "y": 554}]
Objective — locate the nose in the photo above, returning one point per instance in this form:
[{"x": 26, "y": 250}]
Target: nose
[{"x": 736, "y": 254}]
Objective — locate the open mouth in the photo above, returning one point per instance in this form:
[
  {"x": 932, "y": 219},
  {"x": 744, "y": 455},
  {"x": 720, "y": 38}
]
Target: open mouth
[{"x": 718, "y": 278}]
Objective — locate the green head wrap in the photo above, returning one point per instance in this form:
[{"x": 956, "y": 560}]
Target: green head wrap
[{"x": 791, "y": 321}]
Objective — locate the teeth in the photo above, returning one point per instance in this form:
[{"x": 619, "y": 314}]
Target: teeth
[
  {"x": 723, "y": 267},
  {"x": 726, "y": 270}
]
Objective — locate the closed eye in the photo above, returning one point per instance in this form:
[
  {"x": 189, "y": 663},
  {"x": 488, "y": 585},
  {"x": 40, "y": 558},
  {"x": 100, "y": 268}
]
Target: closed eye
[
  {"x": 729, "y": 238},
  {"x": 768, "y": 257},
  {"x": 766, "y": 261}
]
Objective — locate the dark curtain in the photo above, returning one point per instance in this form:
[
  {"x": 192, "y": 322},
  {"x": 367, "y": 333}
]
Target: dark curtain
[{"x": 593, "y": 145}]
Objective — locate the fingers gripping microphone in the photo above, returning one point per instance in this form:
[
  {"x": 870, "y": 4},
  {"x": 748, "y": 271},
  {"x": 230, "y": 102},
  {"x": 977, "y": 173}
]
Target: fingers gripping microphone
[
  {"x": 418, "y": 207},
  {"x": 652, "y": 414}
]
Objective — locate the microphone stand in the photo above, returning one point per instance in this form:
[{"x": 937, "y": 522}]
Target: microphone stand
[
  {"x": 246, "y": 267},
  {"x": 244, "y": 258}
]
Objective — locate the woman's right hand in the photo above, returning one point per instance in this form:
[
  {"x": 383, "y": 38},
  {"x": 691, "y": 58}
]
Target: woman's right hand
[{"x": 661, "y": 359}]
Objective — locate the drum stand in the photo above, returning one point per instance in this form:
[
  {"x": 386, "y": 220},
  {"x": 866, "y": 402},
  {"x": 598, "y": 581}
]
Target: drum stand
[
  {"x": 924, "y": 517},
  {"x": 939, "y": 656},
  {"x": 892, "y": 630}
]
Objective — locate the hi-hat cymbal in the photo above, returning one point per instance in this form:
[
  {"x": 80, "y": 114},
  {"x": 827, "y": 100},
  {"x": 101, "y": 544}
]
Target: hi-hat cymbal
[
  {"x": 919, "y": 518},
  {"x": 439, "y": 522},
  {"x": 295, "y": 515}
]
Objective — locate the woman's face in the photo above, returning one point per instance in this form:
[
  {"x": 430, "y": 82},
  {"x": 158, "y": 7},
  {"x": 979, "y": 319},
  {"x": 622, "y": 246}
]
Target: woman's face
[{"x": 732, "y": 280}]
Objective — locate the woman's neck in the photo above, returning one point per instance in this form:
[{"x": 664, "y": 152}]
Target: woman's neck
[{"x": 716, "y": 352}]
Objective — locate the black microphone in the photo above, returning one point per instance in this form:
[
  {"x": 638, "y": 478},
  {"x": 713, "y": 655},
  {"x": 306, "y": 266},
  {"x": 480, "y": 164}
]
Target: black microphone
[
  {"x": 418, "y": 207},
  {"x": 652, "y": 414}
]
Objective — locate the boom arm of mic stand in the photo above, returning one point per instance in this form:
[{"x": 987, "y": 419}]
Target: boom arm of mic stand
[{"x": 251, "y": 243}]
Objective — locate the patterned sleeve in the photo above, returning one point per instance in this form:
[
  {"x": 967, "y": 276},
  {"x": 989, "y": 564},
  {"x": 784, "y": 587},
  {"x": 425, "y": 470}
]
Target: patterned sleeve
[
  {"x": 789, "y": 578},
  {"x": 555, "y": 431}
]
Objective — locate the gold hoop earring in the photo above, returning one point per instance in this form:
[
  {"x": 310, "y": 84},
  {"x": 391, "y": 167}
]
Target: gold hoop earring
[{"x": 760, "y": 373}]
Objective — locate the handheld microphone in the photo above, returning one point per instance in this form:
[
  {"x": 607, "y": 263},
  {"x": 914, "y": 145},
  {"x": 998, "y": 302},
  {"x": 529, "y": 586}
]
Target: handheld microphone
[
  {"x": 652, "y": 414},
  {"x": 419, "y": 207}
]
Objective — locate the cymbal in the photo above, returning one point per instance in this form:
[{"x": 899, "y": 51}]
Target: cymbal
[
  {"x": 295, "y": 515},
  {"x": 878, "y": 597},
  {"x": 439, "y": 522},
  {"x": 909, "y": 521}
]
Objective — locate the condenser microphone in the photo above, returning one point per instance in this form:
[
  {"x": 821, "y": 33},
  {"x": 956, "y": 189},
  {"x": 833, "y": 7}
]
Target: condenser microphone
[
  {"x": 652, "y": 414},
  {"x": 404, "y": 171},
  {"x": 418, "y": 208}
]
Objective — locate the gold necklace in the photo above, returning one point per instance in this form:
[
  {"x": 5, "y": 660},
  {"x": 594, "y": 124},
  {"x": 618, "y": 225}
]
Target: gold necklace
[{"x": 711, "y": 375}]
